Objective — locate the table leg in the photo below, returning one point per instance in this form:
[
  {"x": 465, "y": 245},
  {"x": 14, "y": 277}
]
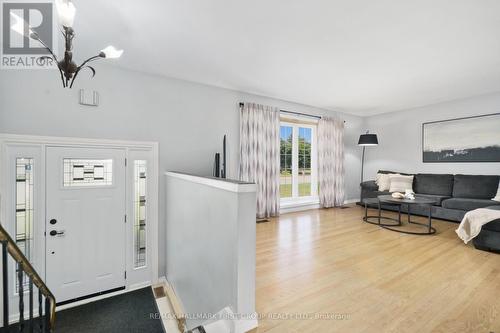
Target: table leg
[
  {"x": 366, "y": 212},
  {"x": 430, "y": 219},
  {"x": 408, "y": 213},
  {"x": 399, "y": 214},
  {"x": 379, "y": 212}
]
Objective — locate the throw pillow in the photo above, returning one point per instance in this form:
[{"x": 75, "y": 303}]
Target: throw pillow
[
  {"x": 383, "y": 181},
  {"x": 497, "y": 197},
  {"x": 400, "y": 183}
]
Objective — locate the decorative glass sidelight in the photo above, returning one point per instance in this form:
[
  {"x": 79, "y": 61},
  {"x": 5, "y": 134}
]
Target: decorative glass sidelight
[
  {"x": 140, "y": 167},
  {"x": 24, "y": 209},
  {"x": 80, "y": 172}
]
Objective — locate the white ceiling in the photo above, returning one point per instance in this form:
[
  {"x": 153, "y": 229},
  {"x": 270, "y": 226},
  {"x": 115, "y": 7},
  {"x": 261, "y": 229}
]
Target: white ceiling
[{"x": 358, "y": 56}]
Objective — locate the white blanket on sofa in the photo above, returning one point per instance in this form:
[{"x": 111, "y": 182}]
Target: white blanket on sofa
[{"x": 473, "y": 221}]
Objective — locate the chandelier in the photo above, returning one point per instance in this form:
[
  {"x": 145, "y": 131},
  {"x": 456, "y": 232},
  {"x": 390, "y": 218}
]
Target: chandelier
[{"x": 68, "y": 69}]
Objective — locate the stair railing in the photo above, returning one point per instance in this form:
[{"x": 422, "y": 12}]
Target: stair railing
[{"x": 45, "y": 322}]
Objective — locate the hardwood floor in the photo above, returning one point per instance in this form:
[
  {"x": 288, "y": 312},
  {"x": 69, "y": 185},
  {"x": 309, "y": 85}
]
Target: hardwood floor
[{"x": 330, "y": 262}]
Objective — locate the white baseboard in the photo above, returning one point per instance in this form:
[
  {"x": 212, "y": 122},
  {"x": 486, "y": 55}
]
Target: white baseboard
[
  {"x": 165, "y": 308},
  {"x": 307, "y": 206},
  {"x": 100, "y": 297},
  {"x": 350, "y": 201},
  {"x": 299, "y": 208},
  {"x": 162, "y": 280}
]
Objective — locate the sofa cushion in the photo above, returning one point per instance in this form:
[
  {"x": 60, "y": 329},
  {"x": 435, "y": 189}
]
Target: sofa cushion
[
  {"x": 379, "y": 193},
  {"x": 497, "y": 196},
  {"x": 433, "y": 184},
  {"x": 439, "y": 198},
  {"x": 383, "y": 181},
  {"x": 493, "y": 225},
  {"x": 467, "y": 204},
  {"x": 475, "y": 187},
  {"x": 400, "y": 183},
  {"x": 369, "y": 185}
]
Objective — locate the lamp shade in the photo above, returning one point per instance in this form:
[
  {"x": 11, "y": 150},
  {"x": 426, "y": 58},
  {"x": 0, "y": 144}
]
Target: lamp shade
[{"x": 368, "y": 140}]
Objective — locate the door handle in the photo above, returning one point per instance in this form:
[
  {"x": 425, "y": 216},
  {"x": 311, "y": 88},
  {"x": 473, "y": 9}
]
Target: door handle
[{"x": 57, "y": 233}]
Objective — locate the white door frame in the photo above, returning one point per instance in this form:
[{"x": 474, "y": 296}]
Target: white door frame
[{"x": 41, "y": 142}]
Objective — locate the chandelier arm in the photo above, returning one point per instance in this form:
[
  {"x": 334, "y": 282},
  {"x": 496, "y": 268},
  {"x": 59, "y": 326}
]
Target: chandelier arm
[
  {"x": 45, "y": 45},
  {"x": 81, "y": 66},
  {"x": 37, "y": 38},
  {"x": 62, "y": 77},
  {"x": 73, "y": 79}
]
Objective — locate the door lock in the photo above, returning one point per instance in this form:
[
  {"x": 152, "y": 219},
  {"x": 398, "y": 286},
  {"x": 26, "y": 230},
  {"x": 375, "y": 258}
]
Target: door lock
[
  {"x": 53, "y": 221},
  {"x": 57, "y": 233}
]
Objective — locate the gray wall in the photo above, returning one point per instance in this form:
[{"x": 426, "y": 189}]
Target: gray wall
[
  {"x": 210, "y": 249},
  {"x": 187, "y": 119},
  {"x": 400, "y": 137}
]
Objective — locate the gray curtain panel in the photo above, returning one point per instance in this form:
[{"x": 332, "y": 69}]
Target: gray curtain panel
[
  {"x": 260, "y": 155},
  {"x": 331, "y": 162}
]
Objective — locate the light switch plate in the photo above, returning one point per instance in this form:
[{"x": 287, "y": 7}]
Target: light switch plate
[{"x": 90, "y": 98}]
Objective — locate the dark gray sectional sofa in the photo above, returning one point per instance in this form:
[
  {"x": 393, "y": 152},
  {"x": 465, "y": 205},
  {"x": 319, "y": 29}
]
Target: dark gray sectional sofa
[{"x": 455, "y": 195}]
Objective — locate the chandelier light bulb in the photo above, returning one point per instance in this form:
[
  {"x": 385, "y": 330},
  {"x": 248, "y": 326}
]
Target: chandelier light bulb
[
  {"x": 66, "y": 11},
  {"x": 111, "y": 52}
]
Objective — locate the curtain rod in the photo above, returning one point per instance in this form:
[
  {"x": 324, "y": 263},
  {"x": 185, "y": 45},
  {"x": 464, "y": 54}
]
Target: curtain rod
[{"x": 292, "y": 112}]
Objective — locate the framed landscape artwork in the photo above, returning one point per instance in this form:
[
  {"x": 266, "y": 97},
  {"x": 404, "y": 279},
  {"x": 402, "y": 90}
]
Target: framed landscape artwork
[{"x": 472, "y": 139}]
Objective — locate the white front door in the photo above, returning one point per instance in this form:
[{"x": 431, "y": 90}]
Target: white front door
[{"x": 85, "y": 226}]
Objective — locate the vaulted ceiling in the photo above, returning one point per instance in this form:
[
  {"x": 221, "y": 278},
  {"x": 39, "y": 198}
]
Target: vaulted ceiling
[{"x": 358, "y": 56}]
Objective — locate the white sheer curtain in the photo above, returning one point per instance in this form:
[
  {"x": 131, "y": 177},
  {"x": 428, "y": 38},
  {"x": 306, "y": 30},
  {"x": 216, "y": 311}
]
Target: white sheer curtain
[
  {"x": 260, "y": 155},
  {"x": 331, "y": 162}
]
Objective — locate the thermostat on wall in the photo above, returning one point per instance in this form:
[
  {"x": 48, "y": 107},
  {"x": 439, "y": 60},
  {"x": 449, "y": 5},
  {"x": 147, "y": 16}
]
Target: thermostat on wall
[{"x": 90, "y": 98}]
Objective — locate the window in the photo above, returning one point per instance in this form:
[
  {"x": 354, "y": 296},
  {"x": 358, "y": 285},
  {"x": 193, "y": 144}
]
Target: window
[
  {"x": 304, "y": 156},
  {"x": 24, "y": 209},
  {"x": 87, "y": 172},
  {"x": 297, "y": 162},
  {"x": 139, "y": 213},
  {"x": 286, "y": 139}
]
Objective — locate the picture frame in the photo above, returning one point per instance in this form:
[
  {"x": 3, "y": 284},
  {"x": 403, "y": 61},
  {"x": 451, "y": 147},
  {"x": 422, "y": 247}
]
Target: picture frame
[{"x": 473, "y": 139}]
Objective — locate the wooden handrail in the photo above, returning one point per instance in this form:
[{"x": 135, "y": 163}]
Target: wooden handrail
[{"x": 28, "y": 269}]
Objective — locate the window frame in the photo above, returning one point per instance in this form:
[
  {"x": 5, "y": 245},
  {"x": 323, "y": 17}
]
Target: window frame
[{"x": 295, "y": 124}]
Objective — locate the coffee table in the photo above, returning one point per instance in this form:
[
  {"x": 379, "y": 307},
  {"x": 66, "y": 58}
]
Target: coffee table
[
  {"x": 377, "y": 219},
  {"x": 419, "y": 201}
]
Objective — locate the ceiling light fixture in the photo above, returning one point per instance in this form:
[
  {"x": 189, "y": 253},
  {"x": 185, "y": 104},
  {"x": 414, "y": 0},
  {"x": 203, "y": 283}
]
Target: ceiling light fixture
[{"x": 67, "y": 67}]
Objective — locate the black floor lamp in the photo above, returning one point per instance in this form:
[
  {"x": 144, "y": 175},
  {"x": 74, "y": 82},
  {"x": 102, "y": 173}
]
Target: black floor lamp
[{"x": 366, "y": 140}]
